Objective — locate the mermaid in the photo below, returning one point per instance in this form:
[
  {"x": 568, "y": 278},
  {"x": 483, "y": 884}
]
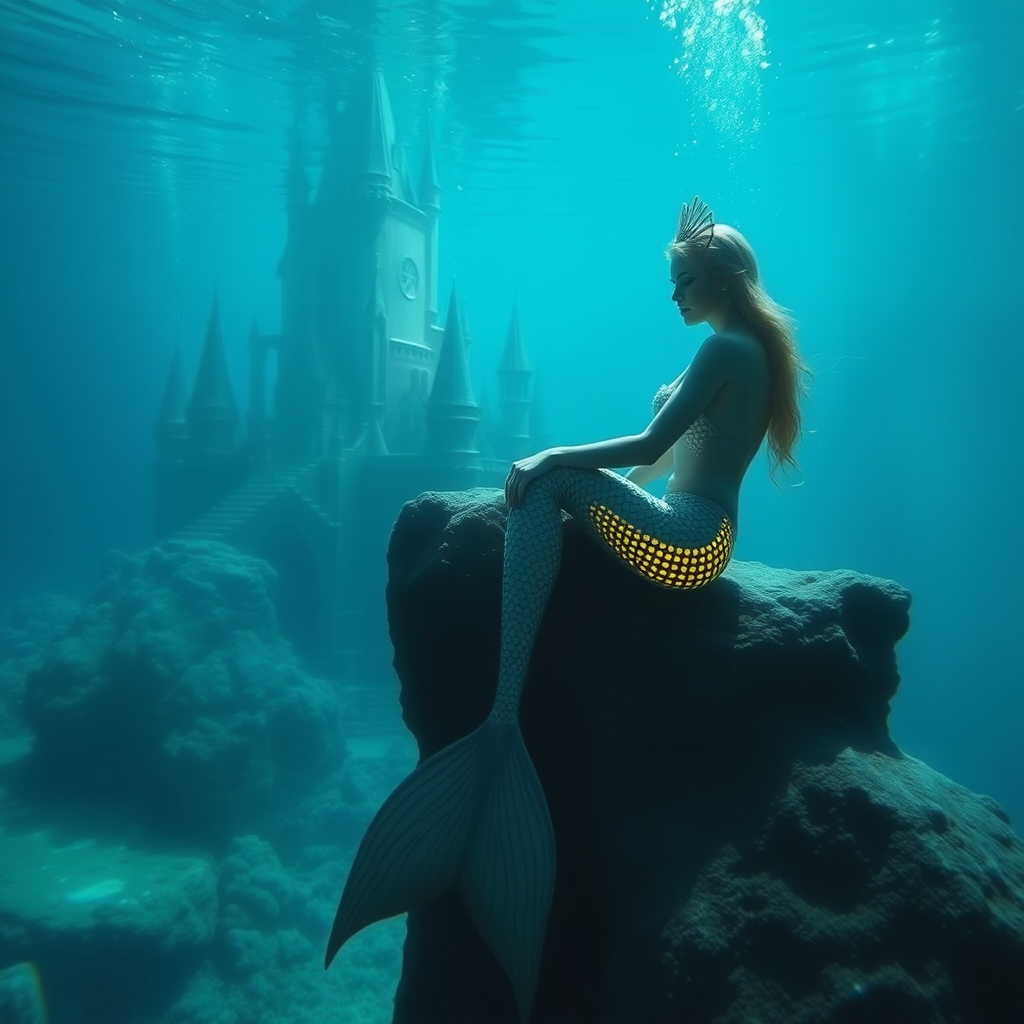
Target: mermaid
[{"x": 473, "y": 817}]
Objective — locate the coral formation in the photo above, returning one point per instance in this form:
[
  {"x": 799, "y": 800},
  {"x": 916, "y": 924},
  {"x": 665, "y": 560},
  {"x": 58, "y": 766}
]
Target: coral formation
[
  {"x": 174, "y": 831},
  {"x": 31, "y": 626},
  {"x": 172, "y": 692}
]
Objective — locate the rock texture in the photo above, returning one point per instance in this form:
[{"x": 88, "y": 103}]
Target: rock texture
[
  {"x": 34, "y": 624},
  {"x": 174, "y": 830},
  {"x": 171, "y": 695},
  {"x": 738, "y": 837},
  {"x": 104, "y": 922}
]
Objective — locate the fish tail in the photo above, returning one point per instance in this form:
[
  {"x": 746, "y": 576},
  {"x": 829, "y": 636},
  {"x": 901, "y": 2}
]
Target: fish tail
[{"x": 474, "y": 818}]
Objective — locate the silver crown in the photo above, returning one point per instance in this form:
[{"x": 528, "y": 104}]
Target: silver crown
[{"x": 695, "y": 221}]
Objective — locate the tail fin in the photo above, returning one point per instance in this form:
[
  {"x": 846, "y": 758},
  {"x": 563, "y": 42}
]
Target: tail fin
[{"x": 472, "y": 817}]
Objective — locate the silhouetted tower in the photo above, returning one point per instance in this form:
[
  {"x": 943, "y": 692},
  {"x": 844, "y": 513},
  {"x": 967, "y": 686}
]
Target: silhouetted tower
[
  {"x": 372, "y": 399},
  {"x": 212, "y": 412},
  {"x": 515, "y": 385},
  {"x": 452, "y": 412},
  {"x": 369, "y": 234}
]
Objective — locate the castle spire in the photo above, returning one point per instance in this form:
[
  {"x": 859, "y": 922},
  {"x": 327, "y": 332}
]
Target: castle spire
[
  {"x": 513, "y": 358},
  {"x": 365, "y": 156},
  {"x": 377, "y": 168},
  {"x": 212, "y": 411},
  {"x": 452, "y": 412},
  {"x": 515, "y": 380},
  {"x": 451, "y": 382}
]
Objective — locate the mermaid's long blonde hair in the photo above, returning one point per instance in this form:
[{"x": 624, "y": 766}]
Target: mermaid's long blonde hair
[{"x": 730, "y": 259}]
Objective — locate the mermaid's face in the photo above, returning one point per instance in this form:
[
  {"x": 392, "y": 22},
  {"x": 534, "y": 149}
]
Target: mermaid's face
[{"x": 694, "y": 291}]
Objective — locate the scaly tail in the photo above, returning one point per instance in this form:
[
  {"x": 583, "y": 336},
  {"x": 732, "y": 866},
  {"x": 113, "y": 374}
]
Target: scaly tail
[{"x": 473, "y": 817}]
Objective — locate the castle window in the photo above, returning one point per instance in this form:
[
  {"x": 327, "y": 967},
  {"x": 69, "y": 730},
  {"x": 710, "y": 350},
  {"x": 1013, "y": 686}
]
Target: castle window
[{"x": 409, "y": 278}]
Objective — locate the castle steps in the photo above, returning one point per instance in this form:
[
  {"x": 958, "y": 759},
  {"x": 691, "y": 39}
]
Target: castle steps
[{"x": 237, "y": 508}]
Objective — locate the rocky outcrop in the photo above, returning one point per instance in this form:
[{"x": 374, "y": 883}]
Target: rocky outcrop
[
  {"x": 104, "y": 924},
  {"x": 171, "y": 695},
  {"x": 173, "y": 829},
  {"x": 33, "y": 625},
  {"x": 738, "y": 836}
]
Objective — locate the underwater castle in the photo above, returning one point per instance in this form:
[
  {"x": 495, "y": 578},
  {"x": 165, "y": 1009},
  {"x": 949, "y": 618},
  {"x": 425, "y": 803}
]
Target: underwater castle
[{"x": 371, "y": 398}]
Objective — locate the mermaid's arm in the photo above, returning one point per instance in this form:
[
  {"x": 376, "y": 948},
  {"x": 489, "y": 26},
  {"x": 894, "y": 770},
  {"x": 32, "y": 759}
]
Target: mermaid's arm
[
  {"x": 651, "y": 447},
  {"x": 631, "y": 450}
]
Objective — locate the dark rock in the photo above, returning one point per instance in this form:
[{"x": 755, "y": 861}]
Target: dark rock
[{"x": 738, "y": 837}]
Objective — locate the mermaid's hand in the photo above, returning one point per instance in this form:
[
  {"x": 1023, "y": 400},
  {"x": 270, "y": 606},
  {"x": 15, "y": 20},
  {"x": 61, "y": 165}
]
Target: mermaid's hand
[{"x": 523, "y": 473}]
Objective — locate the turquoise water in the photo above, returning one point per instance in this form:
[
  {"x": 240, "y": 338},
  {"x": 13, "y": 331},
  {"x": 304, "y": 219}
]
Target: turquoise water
[{"x": 870, "y": 151}]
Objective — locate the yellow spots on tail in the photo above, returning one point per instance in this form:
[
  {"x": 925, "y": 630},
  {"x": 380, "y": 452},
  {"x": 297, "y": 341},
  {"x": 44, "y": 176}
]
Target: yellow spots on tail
[{"x": 663, "y": 563}]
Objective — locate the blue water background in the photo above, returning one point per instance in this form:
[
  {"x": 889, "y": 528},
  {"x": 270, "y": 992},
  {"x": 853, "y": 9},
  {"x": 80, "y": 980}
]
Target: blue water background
[{"x": 871, "y": 152}]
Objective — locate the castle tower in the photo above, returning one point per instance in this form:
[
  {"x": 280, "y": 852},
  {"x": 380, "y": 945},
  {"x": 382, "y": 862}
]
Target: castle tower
[
  {"x": 515, "y": 380},
  {"x": 212, "y": 412},
  {"x": 373, "y": 401},
  {"x": 452, "y": 412},
  {"x": 368, "y": 235},
  {"x": 430, "y": 203}
]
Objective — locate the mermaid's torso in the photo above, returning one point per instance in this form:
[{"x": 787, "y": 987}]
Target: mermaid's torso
[
  {"x": 701, "y": 431},
  {"x": 715, "y": 478}
]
